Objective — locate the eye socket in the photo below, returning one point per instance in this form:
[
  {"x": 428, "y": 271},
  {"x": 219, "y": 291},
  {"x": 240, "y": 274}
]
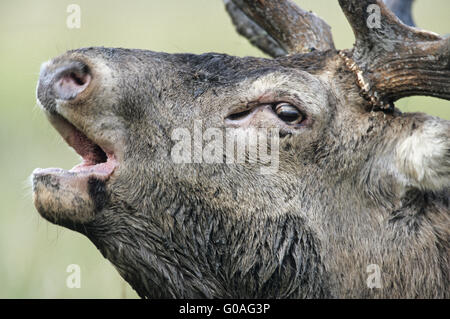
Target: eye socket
[{"x": 288, "y": 113}]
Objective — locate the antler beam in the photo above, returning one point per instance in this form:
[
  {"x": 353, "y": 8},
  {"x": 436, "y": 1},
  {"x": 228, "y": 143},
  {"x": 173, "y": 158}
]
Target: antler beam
[
  {"x": 394, "y": 59},
  {"x": 280, "y": 27}
]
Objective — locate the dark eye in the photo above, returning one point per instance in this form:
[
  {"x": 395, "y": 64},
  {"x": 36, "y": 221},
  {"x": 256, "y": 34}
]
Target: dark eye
[{"x": 288, "y": 113}]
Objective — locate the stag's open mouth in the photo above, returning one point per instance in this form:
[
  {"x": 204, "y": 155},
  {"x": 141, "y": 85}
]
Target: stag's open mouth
[
  {"x": 69, "y": 197},
  {"x": 97, "y": 161}
]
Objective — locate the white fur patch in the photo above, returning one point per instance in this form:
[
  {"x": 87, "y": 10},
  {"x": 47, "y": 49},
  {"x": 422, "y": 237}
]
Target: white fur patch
[{"x": 423, "y": 157}]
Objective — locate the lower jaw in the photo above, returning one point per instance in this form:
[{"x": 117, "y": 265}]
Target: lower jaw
[{"x": 72, "y": 196}]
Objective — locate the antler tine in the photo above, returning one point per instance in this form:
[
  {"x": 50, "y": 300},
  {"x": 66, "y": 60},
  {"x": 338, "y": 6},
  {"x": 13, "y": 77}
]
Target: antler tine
[
  {"x": 402, "y": 9},
  {"x": 278, "y": 27},
  {"x": 392, "y": 59},
  {"x": 253, "y": 32}
]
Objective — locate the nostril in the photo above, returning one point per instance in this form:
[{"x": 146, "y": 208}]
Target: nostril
[
  {"x": 71, "y": 80},
  {"x": 80, "y": 80}
]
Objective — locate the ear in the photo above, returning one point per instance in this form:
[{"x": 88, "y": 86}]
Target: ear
[{"x": 423, "y": 157}]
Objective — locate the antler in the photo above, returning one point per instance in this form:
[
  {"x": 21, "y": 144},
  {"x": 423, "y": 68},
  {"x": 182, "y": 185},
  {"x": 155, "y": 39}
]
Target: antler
[
  {"x": 391, "y": 60},
  {"x": 253, "y": 32},
  {"x": 279, "y": 27}
]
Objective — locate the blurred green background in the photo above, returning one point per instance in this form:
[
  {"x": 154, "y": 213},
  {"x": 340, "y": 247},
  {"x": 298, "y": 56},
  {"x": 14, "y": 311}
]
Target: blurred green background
[{"x": 34, "y": 254}]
